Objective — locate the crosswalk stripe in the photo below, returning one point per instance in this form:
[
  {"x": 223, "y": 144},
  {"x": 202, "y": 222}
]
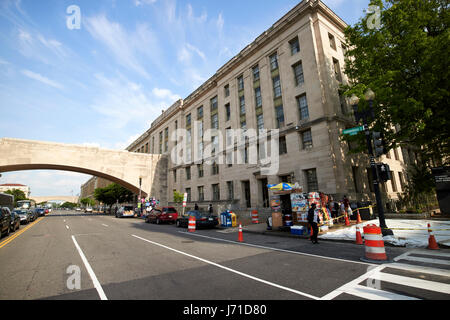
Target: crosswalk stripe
[
  {"x": 426, "y": 260},
  {"x": 414, "y": 282},
  {"x": 420, "y": 269},
  {"x": 431, "y": 253},
  {"x": 375, "y": 294}
]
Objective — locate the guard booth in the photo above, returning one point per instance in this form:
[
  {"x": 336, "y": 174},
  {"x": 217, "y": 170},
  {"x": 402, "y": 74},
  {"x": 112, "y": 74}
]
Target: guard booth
[{"x": 442, "y": 180}]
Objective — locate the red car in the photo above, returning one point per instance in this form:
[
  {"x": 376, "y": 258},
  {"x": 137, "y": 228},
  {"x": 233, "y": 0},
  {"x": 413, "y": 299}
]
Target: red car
[{"x": 160, "y": 215}]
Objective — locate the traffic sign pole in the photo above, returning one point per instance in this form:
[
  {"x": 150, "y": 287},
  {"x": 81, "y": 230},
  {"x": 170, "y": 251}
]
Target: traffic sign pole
[{"x": 376, "y": 185}]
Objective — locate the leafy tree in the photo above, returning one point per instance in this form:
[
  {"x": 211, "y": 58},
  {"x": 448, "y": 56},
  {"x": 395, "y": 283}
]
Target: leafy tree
[
  {"x": 113, "y": 193},
  {"x": 177, "y": 197},
  {"x": 87, "y": 202},
  {"x": 420, "y": 193},
  {"x": 69, "y": 205},
  {"x": 18, "y": 195},
  {"x": 405, "y": 62}
]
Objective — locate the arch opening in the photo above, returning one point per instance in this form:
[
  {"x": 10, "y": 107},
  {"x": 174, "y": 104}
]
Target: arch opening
[{"x": 26, "y": 167}]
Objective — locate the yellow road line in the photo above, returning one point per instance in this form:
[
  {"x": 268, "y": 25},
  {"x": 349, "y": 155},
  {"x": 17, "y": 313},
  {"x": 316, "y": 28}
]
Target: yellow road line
[{"x": 11, "y": 238}]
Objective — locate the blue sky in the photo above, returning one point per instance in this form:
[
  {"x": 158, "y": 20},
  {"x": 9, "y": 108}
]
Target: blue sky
[{"x": 103, "y": 84}]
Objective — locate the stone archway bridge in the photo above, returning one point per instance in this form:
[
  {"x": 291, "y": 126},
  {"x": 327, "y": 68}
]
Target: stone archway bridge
[{"x": 123, "y": 167}]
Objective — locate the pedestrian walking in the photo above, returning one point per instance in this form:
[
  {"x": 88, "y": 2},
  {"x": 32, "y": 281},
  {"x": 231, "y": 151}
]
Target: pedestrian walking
[
  {"x": 342, "y": 210},
  {"x": 196, "y": 207},
  {"x": 346, "y": 203},
  {"x": 313, "y": 219},
  {"x": 335, "y": 209},
  {"x": 210, "y": 209}
]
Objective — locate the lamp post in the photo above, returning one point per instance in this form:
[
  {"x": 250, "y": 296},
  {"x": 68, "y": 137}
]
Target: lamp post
[
  {"x": 354, "y": 101},
  {"x": 139, "y": 200}
]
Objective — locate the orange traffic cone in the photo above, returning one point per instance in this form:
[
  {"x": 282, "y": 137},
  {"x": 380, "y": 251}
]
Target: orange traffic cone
[
  {"x": 432, "y": 244},
  {"x": 240, "y": 238},
  {"x": 358, "y": 220},
  {"x": 347, "y": 222},
  {"x": 359, "y": 239}
]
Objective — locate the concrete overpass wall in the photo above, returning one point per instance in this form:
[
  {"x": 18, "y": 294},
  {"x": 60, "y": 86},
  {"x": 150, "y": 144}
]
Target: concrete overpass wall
[{"x": 122, "y": 167}]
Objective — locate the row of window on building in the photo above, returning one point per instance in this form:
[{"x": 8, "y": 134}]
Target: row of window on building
[
  {"x": 302, "y": 103},
  {"x": 310, "y": 179}
]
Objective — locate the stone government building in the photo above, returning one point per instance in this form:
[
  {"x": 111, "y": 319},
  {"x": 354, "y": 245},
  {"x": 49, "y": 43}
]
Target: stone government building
[{"x": 286, "y": 79}]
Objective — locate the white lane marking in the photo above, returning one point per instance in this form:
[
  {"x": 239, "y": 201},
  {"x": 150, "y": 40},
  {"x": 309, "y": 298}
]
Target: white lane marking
[
  {"x": 67, "y": 227},
  {"x": 276, "y": 249},
  {"x": 94, "y": 279},
  {"x": 231, "y": 270},
  {"x": 105, "y": 225}
]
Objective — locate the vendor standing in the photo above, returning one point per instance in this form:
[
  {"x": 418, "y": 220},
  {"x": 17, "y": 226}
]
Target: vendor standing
[{"x": 313, "y": 219}]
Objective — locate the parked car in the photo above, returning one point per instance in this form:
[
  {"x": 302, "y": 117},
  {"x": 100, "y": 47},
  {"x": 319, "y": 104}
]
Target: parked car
[
  {"x": 88, "y": 210},
  {"x": 166, "y": 214},
  {"x": 5, "y": 221},
  {"x": 34, "y": 214},
  {"x": 25, "y": 215},
  {"x": 125, "y": 211},
  {"x": 15, "y": 221},
  {"x": 40, "y": 211},
  {"x": 202, "y": 219}
]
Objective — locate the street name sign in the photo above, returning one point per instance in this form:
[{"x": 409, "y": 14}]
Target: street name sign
[{"x": 353, "y": 131}]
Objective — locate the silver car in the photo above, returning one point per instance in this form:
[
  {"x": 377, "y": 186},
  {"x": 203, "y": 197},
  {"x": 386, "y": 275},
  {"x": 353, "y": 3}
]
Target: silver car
[
  {"x": 25, "y": 215},
  {"x": 125, "y": 212}
]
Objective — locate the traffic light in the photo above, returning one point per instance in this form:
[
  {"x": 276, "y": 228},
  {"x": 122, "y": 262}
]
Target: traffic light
[
  {"x": 384, "y": 172},
  {"x": 378, "y": 143}
]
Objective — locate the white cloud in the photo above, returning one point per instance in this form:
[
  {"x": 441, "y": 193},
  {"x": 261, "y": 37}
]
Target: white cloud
[
  {"x": 118, "y": 41},
  {"x": 41, "y": 78},
  {"x": 139, "y": 3},
  {"x": 191, "y": 16},
  {"x": 34, "y": 45},
  {"x": 4, "y": 62},
  {"x": 186, "y": 52},
  {"x": 165, "y": 94},
  {"x": 196, "y": 50},
  {"x": 220, "y": 22},
  {"x": 121, "y": 102}
]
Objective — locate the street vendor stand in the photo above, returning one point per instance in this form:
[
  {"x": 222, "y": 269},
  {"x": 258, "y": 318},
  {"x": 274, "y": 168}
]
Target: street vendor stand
[{"x": 283, "y": 195}]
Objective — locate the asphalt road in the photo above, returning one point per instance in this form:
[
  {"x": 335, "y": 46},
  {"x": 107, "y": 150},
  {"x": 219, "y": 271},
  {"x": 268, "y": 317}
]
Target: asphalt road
[{"x": 129, "y": 259}]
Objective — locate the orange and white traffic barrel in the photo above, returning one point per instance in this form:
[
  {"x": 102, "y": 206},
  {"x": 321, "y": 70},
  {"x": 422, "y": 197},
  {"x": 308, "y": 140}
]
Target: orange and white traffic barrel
[
  {"x": 255, "y": 219},
  {"x": 191, "y": 226},
  {"x": 373, "y": 239}
]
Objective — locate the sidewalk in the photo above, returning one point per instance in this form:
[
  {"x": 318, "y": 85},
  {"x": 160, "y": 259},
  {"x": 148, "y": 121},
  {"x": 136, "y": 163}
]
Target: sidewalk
[
  {"x": 417, "y": 236},
  {"x": 262, "y": 229}
]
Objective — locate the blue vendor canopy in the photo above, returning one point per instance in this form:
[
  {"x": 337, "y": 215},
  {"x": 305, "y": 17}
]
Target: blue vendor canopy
[{"x": 281, "y": 186}]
